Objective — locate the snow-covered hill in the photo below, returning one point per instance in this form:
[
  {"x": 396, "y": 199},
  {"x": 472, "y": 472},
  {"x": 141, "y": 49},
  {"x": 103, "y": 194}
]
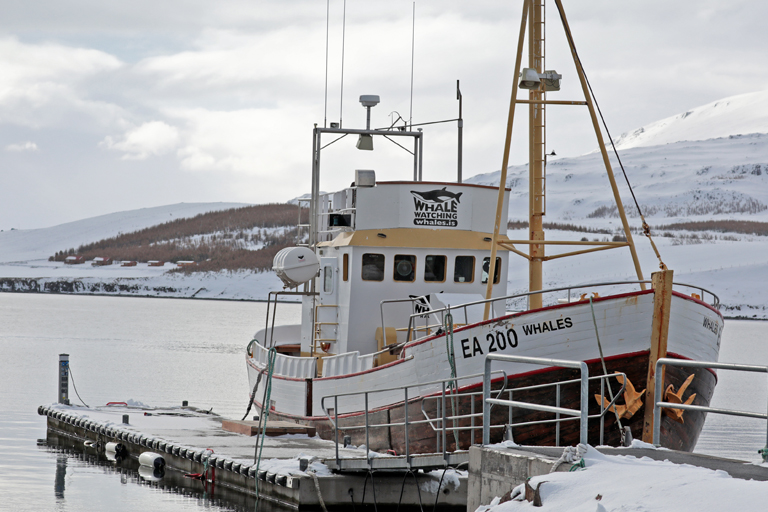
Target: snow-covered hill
[
  {"x": 38, "y": 244},
  {"x": 721, "y": 178}
]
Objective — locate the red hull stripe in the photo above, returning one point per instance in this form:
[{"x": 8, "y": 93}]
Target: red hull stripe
[{"x": 470, "y": 387}]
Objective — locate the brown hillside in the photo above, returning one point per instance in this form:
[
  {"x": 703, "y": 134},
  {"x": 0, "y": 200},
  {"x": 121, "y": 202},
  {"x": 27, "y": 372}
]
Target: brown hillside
[{"x": 239, "y": 238}]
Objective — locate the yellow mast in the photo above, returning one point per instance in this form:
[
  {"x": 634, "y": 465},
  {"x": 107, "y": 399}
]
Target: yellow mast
[
  {"x": 536, "y": 154},
  {"x": 534, "y": 11}
]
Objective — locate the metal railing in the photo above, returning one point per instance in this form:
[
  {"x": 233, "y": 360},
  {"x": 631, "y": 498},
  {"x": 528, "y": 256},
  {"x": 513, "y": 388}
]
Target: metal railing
[
  {"x": 604, "y": 408},
  {"x": 407, "y": 423},
  {"x": 581, "y": 413},
  {"x": 442, "y": 311},
  {"x": 659, "y": 404}
]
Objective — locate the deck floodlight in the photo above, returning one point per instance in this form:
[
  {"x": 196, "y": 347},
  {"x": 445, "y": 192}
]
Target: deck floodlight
[
  {"x": 529, "y": 79},
  {"x": 365, "y": 142}
]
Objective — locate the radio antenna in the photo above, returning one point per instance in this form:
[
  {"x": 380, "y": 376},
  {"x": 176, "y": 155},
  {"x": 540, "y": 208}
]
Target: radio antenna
[
  {"x": 413, "y": 41},
  {"x": 343, "y": 36},
  {"x": 327, "y": 25}
]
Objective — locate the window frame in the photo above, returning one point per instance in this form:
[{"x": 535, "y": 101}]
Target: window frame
[
  {"x": 471, "y": 274},
  {"x": 413, "y": 268},
  {"x": 383, "y": 266}
]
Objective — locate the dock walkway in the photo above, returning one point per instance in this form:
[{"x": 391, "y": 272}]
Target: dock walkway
[{"x": 191, "y": 441}]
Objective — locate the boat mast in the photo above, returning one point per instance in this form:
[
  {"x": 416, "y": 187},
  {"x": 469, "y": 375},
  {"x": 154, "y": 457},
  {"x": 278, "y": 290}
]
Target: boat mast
[
  {"x": 533, "y": 16},
  {"x": 536, "y": 153}
]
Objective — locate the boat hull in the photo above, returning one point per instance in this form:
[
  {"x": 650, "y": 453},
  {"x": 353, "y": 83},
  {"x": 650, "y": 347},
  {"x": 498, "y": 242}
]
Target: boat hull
[{"x": 623, "y": 323}]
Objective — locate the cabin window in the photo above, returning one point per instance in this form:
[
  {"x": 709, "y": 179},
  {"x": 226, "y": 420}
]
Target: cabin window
[
  {"x": 486, "y": 269},
  {"x": 405, "y": 267},
  {"x": 434, "y": 268},
  {"x": 464, "y": 269},
  {"x": 327, "y": 279},
  {"x": 373, "y": 267},
  {"x": 345, "y": 267}
]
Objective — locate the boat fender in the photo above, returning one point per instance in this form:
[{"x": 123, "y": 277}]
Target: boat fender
[
  {"x": 152, "y": 459},
  {"x": 116, "y": 448}
]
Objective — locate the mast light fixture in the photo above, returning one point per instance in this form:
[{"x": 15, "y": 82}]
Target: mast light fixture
[{"x": 531, "y": 79}]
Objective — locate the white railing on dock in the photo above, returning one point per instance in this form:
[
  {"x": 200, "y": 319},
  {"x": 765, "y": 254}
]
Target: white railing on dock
[{"x": 659, "y": 404}]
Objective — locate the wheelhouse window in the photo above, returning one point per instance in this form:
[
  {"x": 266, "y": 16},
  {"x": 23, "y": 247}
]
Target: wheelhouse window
[
  {"x": 434, "y": 268},
  {"x": 464, "y": 269},
  {"x": 487, "y": 268},
  {"x": 345, "y": 268},
  {"x": 373, "y": 267},
  {"x": 327, "y": 279},
  {"x": 405, "y": 267}
]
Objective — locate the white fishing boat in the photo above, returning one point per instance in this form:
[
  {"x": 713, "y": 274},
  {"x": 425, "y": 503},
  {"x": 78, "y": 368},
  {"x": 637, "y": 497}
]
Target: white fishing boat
[{"x": 398, "y": 305}]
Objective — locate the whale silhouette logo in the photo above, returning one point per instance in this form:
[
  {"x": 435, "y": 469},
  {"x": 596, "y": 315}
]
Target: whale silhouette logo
[{"x": 437, "y": 196}]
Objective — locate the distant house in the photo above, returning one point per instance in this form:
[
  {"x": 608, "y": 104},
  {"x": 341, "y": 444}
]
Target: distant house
[
  {"x": 155, "y": 263},
  {"x": 186, "y": 263},
  {"x": 128, "y": 264},
  {"x": 100, "y": 261},
  {"x": 74, "y": 260}
]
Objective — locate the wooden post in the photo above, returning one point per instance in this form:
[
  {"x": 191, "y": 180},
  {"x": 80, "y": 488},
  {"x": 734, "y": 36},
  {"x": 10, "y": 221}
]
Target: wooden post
[{"x": 662, "y": 301}]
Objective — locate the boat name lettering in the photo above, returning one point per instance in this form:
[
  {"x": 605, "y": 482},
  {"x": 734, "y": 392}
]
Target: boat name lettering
[
  {"x": 497, "y": 340},
  {"x": 711, "y": 325},
  {"x": 549, "y": 325}
]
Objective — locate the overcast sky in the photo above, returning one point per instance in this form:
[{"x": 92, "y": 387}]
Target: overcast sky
[{"x": 109, "y": 106}]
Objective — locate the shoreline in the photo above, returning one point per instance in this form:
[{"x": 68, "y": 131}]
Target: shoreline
[{"x": 737, "y": 317}]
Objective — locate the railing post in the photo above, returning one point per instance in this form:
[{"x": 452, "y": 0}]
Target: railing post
[
  {"x": 557, "y": 416},
  {"x": 407, "y": 448},
  {"x": 367, "y": 442},
  {"x": 486, "y": 405},
  {"x": 656, "y": 408},
  {"x": 602, "y": 408},
  {"x": 584, "y": 402},
  {"x": 444, "y": 440},
  {"x": 336, "y": 426}
]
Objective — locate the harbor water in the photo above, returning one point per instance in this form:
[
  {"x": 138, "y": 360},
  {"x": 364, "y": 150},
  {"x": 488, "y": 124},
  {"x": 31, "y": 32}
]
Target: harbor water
[{"x": 160, "y": 352}]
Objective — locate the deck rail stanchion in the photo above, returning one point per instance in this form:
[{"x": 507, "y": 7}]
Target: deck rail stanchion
[
  {"x": 659, "y": 404},
  {"x": 581, "y": 413}
]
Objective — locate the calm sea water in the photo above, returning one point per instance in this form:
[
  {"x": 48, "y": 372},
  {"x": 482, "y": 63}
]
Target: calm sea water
[{"x": 164, "y": 351}]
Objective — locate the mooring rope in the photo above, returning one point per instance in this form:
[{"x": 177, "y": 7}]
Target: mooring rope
[
  {"x": 264, "y": 416},
  {"x": 317, "y": 490},
  {"x": 602, "y": 360}
]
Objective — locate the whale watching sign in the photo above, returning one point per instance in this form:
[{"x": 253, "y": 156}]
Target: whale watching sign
[{"x": 438, "y": 207}]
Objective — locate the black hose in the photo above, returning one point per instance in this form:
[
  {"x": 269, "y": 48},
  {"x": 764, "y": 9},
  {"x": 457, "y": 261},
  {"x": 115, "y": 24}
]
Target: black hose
[
  {"x": 72, "y": 378},
  {"x": 253, "y": 395}
]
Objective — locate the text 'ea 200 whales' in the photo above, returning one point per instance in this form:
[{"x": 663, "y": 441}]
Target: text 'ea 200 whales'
[{"x": 508, "y": 339}]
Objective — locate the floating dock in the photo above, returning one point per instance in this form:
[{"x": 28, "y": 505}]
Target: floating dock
[
  {"x": 301, "y": 472},
  {"x": 218, "y": 461}
]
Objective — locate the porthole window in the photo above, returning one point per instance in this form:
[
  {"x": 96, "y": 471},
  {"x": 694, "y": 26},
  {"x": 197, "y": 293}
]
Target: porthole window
[
  {"x": 373, "y": 267},
  {"x": 405, "y": 267},
  {"x": 486, "y": 269},
  {"x": 434, "y": 268},
  {"x": 464, "y": 269}
]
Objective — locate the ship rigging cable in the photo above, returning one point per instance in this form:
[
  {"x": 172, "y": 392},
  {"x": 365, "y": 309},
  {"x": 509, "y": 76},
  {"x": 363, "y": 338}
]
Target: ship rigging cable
[{"x": 646, "y": 227}]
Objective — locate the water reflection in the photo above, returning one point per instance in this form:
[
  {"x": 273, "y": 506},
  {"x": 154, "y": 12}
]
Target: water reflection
[
  {"x": 61, "y": 475},
  {"x": 188, "y": 493}
]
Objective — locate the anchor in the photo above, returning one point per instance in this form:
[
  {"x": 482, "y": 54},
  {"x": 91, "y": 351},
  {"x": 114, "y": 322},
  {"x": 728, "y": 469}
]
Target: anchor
[
  {"x": 677, "y": 398},
  {"x": 632, "y": 400}
]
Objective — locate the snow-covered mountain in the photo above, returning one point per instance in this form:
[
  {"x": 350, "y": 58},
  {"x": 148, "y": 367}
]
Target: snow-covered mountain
[{"x": 735, "y": 115}]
